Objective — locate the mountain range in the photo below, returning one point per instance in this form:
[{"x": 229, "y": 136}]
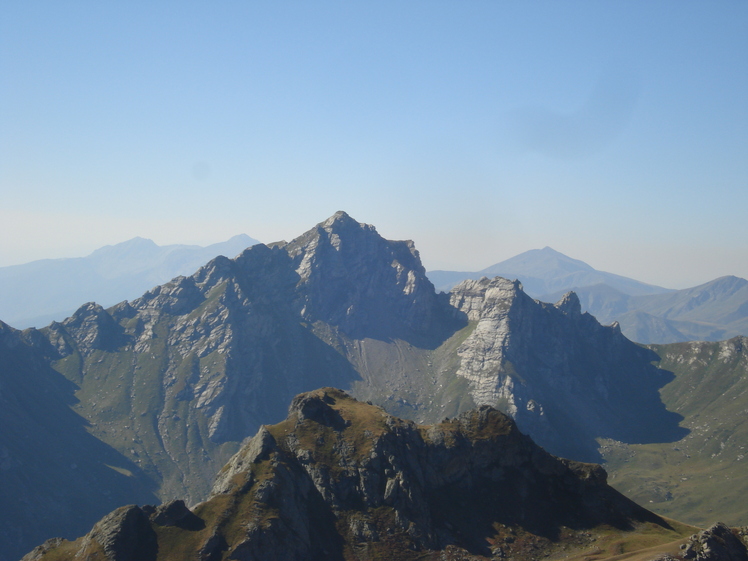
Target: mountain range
[
  {"x": 713, "y": 311},
  {"x": 342, "y": 480},
  {"x": 39, "y": 292},
  {"x": 165, "y": 388}
]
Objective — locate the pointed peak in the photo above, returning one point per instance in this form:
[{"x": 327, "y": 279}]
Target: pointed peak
[
  {"x": 340, "y": 215},
  {"x": 342, "y": 219},
  {"x": 339, "y": 226},
  {"x": 569, "y": 304},
  {"x": 240, "y": 238}
]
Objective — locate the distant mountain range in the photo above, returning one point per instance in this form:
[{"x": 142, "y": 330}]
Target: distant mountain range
[
  {"x": 713, "y": 311},
  {"x": 646, "y": 313},
  {"x": 36, "y": 293}
]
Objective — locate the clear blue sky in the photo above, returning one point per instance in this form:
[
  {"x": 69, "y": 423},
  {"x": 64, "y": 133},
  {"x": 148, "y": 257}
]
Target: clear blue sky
[{"x": 615, "y": 132}]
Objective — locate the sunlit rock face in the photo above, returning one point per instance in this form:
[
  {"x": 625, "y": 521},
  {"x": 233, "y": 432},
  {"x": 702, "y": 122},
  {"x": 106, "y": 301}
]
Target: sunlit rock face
[{"x": 564, "y": 378}]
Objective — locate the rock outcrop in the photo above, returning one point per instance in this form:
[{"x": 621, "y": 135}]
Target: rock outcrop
[
  {"x": 717, "y": 543},
  {"x": 340, "y": 479}
]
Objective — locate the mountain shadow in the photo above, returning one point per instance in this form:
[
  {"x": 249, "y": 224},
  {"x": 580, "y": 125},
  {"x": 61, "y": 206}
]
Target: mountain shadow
[{"x": 59, "y": 477}]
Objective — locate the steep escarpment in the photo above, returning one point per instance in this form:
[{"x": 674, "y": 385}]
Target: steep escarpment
[
  {"x": 565, "y": 379},
  {"x": 340, "y": 479}
]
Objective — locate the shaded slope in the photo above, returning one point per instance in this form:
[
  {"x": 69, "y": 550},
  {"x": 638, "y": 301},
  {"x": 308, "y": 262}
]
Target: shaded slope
[
  {"x": 566, "y": 379},
  {"x": 340, "y": 479},
  {"x": 56, "y": 477},
  {"x": 702, "y": 476}
]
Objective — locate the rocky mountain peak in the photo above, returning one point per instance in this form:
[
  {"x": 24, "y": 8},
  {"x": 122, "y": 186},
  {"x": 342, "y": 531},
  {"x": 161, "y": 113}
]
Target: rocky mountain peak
[
  {"x": 92, "y": 327},
  {"x": 341, "y": 219},
  {"x": 351, "y": 277},
  {"x": 569, "y": 304}
]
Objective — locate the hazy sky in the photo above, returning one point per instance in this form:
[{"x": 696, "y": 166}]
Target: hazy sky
[{"x": 614, "y": 132}]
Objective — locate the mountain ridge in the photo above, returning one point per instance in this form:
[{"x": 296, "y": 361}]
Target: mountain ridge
[
  {"x": 312, "y": 311},
  {"x": 340, "y": 479},
  {"x": 713, "y": 311}
]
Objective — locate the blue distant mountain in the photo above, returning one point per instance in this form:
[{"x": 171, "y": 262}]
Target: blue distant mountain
[
  {"x": 713, "y": 311},
  {"x": 544, "y": 271},
  {"x": 36, "y": 293}
]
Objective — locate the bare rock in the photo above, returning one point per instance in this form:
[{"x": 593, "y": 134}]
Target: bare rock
[{"x": 717, "y": 543}]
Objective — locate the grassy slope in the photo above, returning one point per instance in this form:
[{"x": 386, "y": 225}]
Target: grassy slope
[
  {"x": 122, "y": 395},
  {"x": 411, "y": 382},
  {"x": 703, "y": 477}
]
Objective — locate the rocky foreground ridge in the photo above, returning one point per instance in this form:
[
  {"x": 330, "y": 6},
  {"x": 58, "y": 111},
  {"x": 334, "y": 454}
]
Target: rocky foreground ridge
[{"x": 340, "y": 479}]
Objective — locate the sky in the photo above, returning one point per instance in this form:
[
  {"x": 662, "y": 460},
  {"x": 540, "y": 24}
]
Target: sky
[{"x": 614, "y": 132}]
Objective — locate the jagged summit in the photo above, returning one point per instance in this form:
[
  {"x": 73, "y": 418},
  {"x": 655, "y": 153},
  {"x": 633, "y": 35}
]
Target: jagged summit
[
  {"x": 342, "y": 217},
  {"x": 353, "y": 278},
  {"x": 340, "y": 479},
  {"x": 569, "y": 304}
]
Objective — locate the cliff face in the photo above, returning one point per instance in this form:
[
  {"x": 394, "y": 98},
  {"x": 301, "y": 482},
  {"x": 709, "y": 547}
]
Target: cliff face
[
  {"x": 339, "y": 479},
  {"x": 564, "y": 378}
]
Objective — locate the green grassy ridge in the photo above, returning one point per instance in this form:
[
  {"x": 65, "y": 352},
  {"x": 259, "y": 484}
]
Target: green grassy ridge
[{"x": 703, "y": 477}]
